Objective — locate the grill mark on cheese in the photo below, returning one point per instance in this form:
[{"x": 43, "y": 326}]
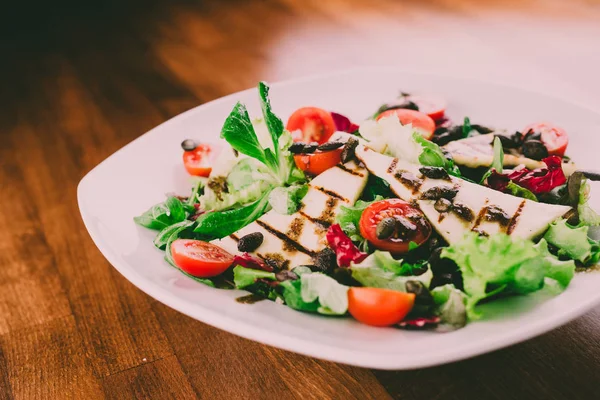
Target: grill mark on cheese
[
  {"x": 289, "y": 244},
  {"x": 392, "y": 166},
  {"x": 296, "y": 227},
  {"x": 350, "y": 171},
  {"x": 480, "y": 216},
  {"x": 515, "y": 218},
  {"x": 409, "y": 180},
  {"x": 328, "y": 213},
  {"x": 324, "y": 224},
  {"x": 234, "y": 237},
  {"x": 331, "y": 193}
]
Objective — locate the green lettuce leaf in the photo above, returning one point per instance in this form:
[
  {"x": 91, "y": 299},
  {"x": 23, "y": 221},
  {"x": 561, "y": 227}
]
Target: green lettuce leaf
[
  {"x": 331, "y": 295},
  {"x": 292, "y": 295},
  {"x": 243, "y": 277},
  {"x": 349, "y": 216},
  {"x": 379, "y": 271},
  {"x": 561, "y": 271},
  {"x": 587, "y": 215},
  {"x": 450, "y": 306},
  {"x": 217, "y": 225},
  {"x": 287, "y": 200},
  {"x": 239, "y": 133},
  {"x": 385, "y": 261},
  {"x": 495, "y": 264},
  {"x": 573, "y": 242}
]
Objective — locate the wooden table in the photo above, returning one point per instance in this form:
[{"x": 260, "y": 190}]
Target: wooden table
[{"x": 79, "y": 82}]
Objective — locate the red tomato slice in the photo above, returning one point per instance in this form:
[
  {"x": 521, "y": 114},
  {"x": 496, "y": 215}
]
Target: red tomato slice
[
  {"x": 421, "y": 122},
  {"x": 379, "y": 307},
  {"x": 316, "y": 124},
  {"x": 201, "y": 259},
  {"x": 433, "y": 106},
  {"x": 198, "y": 162},
  {"x": 417, "y": 228},
  {"x": 318, "y": 162},
  {"x": 554, "y": 138}
]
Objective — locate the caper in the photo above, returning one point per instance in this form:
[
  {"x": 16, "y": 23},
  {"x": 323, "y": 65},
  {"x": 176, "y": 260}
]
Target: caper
[
  {"x": 422, "y": 295},
  {"x": 309, "y": 148},
  {"x": 188, "y": 145},
  {"x": 325, "y": 261},
  {"x": 285, "y": 275},
  {"x": 507, "y": 142},
  {"x": 439, "y": 192},
  {"x": 349, "y": 150},
  {"x": 442, "y": 205},
  {"x": 404, "y": 228},
  {"x": 330, "y": 146},
  {"x": 463, "y": 211},
  {"x": 385, "y": 228},
  {"x": 250, "y": 242},
  {"x": 534, "y": 149},
  {"x": 434, "y": 172},
  {"x": 296, "y": 148}
]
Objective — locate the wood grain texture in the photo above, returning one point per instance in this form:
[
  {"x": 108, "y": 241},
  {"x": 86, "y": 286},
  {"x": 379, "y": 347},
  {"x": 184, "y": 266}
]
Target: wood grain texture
[{"x": 81, "y": 80}]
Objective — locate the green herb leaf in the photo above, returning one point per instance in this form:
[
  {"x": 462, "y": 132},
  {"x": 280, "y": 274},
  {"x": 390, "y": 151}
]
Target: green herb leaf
[
  {"x": 273, "y": 122},
  {"x": 176, "y": 211},
  {"x": 239, "y": 133},
  {"x": 498, "y": 161},
  {"x": 165, "y": 235},
  {"x": 162, "y": 215},
  {"x": 519, "y": 191},
  {"x": 433, "y": 156},
  {"x": 243, "y": 277},
  {"x": 466, "y": 128},
  {"x": 216, "y": 225}
]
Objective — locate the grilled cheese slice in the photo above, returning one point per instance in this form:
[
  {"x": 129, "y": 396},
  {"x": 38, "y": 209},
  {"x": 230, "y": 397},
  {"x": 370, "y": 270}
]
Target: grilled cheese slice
[
  {"x": 478, "y": 151},
  {"x": 292, "y": 240},
  {"x": 475, "y": 207}
]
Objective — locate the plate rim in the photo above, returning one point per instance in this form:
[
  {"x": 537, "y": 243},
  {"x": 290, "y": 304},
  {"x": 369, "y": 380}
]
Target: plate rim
[{"x": 302, "y": 346}]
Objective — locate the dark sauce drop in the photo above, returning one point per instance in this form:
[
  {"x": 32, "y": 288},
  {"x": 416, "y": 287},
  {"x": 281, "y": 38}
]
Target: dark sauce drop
[{"x": 250, "y": 299}]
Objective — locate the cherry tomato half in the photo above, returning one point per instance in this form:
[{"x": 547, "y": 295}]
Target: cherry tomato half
[
  {"x": 316, "y": 125},
  {"x": 554, "y": 138},
  {"x": 421, "y": 122},
  {"x": 318, "y": 162},
  {"x": 379, "y": 307},
  {"x": 433, "y": 106},
  {"x": 201, "y": 259},
  {"x": 410, "y": 225},
  {"x": 198, "y": 162}
]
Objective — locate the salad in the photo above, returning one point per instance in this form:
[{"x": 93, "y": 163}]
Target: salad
[{"x": 407, "y": 219}]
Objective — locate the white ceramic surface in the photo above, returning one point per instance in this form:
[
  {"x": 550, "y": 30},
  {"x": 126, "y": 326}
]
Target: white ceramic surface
[{"x": 140, "y": 174}]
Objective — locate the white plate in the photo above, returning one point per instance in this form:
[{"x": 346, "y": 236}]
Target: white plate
[{"x": 140, "y": 174}]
